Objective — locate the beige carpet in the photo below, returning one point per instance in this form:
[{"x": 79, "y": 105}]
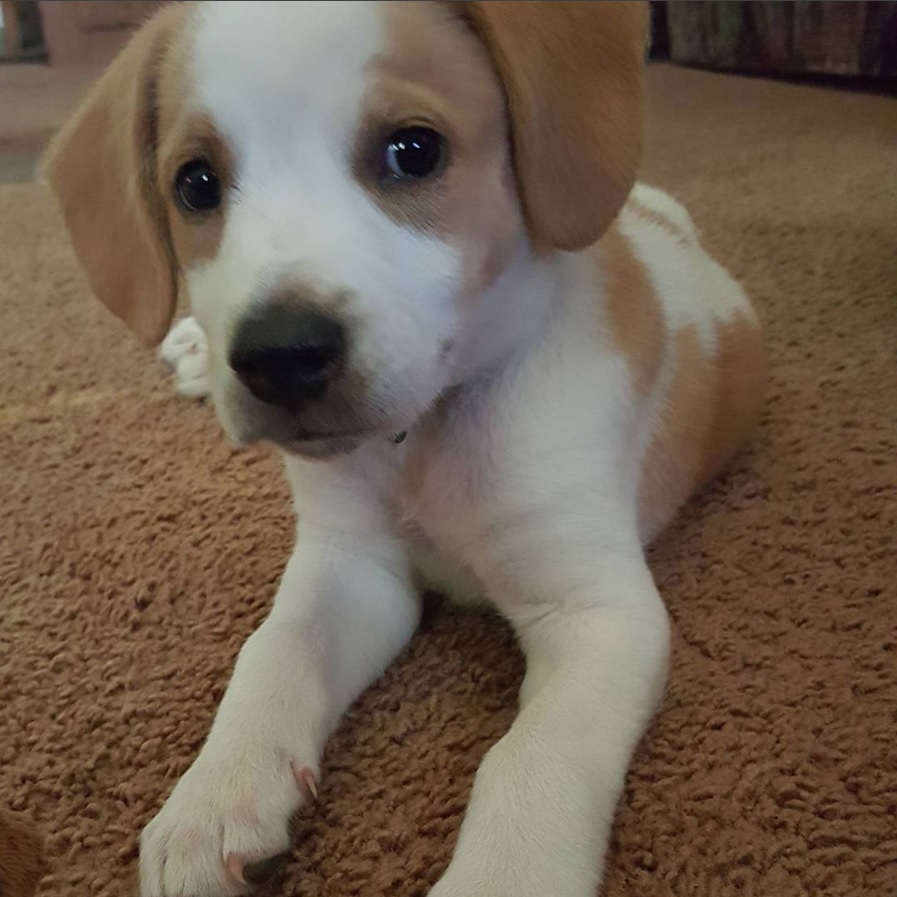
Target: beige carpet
[{"x": 137, "y": 551}]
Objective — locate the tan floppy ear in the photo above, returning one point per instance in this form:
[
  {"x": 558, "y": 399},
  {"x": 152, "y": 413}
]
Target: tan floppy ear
[
  {"x": 101, "y": 167},
  {"x": 572, "y": 73}
]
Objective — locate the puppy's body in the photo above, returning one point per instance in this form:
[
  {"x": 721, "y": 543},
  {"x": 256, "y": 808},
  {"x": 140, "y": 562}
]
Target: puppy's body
[
  {"x": 569, "y": 367},
  {"x": 634, "y": 388}
]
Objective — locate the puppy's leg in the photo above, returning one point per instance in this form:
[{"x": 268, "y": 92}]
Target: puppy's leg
[
  {"x": 344, "y": 609},
  {"x": 185, "y": 349},
  {"x": 544, "y": 798}
]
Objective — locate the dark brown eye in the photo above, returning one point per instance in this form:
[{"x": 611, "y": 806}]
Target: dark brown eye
[
  {"x": 413, "y": 153},
  {"x": 196, "y": 186}
]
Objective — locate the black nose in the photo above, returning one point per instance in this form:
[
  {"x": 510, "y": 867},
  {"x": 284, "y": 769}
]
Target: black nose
[{"x": 287, "y": 356}]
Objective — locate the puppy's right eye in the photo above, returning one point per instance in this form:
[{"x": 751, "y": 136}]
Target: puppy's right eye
[
  {"x": 413, "y": 153},
  {"x": 196, "y": 186}
]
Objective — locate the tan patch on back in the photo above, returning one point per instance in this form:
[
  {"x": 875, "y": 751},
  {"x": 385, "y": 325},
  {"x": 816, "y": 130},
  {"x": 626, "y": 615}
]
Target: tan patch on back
[
  {"x": 633, "y": 308},
  {"x": 712, "y": 404}
]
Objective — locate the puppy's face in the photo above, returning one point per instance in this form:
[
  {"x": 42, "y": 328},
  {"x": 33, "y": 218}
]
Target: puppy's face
[
  {"x": 337, "y": 184},
  {"x": 339, "y": 190}
]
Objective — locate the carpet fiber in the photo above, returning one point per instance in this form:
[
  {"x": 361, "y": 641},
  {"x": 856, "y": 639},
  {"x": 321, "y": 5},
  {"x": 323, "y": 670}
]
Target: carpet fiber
[{"x": 137, "y": 552}]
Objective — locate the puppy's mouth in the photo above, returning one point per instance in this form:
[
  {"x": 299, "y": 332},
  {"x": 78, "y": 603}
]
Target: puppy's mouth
[
  {"x": 349, "y": 415},
  {"x": 327, "y": 444}
]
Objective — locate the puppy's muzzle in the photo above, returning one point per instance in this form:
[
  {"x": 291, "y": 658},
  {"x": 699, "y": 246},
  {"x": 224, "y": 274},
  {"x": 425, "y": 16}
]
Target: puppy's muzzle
[{"x": 288, "y": 356}]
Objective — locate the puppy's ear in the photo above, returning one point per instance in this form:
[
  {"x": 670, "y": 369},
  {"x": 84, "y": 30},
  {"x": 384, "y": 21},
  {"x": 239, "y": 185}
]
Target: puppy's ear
[
  {"x": 101, "y": 167},
  {"x": 572, "y": 74}
]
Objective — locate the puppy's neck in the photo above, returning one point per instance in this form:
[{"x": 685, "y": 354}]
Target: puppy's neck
[{"x": 514, "y": 314}]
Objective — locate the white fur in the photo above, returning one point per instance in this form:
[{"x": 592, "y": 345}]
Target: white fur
[
  {"x": 186, "y": 349},
  {"x": 345, "y": 607},
  {"x": 290, "y": 123},
  {"x": 526, "y": 484},
  {"x": 695, "y": 288}
]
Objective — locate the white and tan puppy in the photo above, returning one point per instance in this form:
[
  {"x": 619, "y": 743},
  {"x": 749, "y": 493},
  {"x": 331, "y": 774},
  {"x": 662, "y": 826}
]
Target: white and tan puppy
[{"x": 420, "y": 218}]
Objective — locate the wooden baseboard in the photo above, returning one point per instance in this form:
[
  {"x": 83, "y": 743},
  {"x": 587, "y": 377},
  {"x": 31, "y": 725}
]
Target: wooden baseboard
[{"x": 812, "y": 37}]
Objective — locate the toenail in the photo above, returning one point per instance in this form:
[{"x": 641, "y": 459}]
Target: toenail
[
  {"x": 305, "y": 780},
  {"x": 234, "y": 866}
]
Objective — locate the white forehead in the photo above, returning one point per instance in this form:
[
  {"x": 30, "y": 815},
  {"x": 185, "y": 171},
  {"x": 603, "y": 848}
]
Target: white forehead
[
  {"x": 284, "y": 83},
  {"x": 283, "y": 64}
]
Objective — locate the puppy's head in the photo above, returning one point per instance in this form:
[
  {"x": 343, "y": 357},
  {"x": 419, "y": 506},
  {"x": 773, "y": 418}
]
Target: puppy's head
[{"x": 336, "y": 185}]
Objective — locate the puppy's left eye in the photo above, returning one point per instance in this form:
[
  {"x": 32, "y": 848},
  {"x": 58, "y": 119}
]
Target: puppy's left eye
[
  {"x": 413, "y": 153},
  {"x": 197, "y": 187}
]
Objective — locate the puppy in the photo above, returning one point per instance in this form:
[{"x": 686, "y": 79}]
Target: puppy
[{"x": 417, "y": 261}]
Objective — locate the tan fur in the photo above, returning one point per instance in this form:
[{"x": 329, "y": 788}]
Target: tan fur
[
  {"x": 425, "y": 78},
  {"x": 741, "y": 367},
  {"x": 632, "y": 307},
  {"x": 710, "y": 407},
  {"x": 102, "y": 168},
  {"x": 186, "y": 136},
  {"x": 22, "y": 863},
  {"x": 576, "y": 112}
]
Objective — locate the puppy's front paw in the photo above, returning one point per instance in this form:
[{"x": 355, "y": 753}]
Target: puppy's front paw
[
  {"x": 224, "y": 828},
  {"x": 186, "y": 350}
]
